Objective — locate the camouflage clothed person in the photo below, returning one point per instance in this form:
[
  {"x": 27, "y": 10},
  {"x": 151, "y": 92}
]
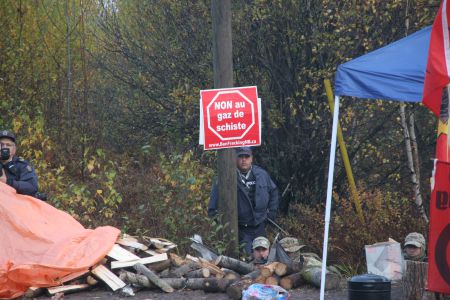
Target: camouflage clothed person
[
  {"x": 415, "y": 247},
  {"x": 312, "y": 263}
]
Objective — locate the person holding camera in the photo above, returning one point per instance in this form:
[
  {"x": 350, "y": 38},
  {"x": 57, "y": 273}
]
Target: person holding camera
[{"x": 16, "y": 171}]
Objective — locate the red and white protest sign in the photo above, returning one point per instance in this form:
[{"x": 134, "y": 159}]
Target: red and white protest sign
[
  {"x": 231, "y": 117},
  {"x": 439, "y": 237}
]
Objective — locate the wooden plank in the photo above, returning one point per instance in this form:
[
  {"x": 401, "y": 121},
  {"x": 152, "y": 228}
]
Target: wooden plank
[
  {"x": 121, "y": 254},
  {"x": 71, "y": 288},
  {"x": 132, "y": 244},
  {"x": 74, "y": 275},
  {"x": 152, "y": 252},
  {"x": 144, "y": 261},
  {"x": 108, "y": 277}
]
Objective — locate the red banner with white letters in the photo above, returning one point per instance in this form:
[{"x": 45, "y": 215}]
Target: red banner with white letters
[{"x": 439, "y": 236}]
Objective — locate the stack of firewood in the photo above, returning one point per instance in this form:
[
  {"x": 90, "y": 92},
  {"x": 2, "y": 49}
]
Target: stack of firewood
[{"x": 132, "y": 265}]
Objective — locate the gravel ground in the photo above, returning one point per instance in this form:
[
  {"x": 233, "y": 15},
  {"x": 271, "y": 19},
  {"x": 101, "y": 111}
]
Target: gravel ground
[{"x": 304, "y": 293}]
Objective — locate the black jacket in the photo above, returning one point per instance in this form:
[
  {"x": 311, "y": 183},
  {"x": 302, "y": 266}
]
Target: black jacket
[
  {"x": 266, "y": 200},
  {"x": 20, "y": 175}
]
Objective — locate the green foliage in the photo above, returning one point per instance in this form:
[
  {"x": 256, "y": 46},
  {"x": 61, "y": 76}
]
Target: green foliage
[
  {"x": 387, "y": 215},
  {"x": 100, "y": 135}
]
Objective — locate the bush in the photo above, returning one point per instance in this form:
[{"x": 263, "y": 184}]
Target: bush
[{"x": 386, "y": 216}]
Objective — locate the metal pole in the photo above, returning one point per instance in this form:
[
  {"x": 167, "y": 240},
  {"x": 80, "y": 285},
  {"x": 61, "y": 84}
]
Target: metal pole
[{"x": 329, "y": 195}]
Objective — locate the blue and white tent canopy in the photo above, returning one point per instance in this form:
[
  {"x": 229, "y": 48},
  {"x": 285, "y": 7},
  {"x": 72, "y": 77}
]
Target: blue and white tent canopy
[{"x": 394, "y": 72}]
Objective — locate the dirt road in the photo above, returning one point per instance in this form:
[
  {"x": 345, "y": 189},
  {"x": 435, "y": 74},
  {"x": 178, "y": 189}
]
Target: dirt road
[{"x": 304, "y": 293}]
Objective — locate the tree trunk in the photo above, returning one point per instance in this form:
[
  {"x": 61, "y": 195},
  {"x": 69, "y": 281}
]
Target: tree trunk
[
  {"x": 415, "y": 281},
  {"x": 234, "y": 264},
  {"x": 160, "y": 266},
  {"x": 223, "y": 77},
  {"x": 273, "y": 280},
  {"x": 284, "y": 269},
  {"x": 154, "y": 278},
  {"x": 199, "y": 273},
  {"x": 180, "y": 271},
  {"x": 230, "y": 274},
  {"x": 412, "y": 169},
  {"x": 313, "y": 276},
  {"x": 234, "y": 291},
  {"x": 291, "y": 281},
  {"x": 268, "y": 270}
]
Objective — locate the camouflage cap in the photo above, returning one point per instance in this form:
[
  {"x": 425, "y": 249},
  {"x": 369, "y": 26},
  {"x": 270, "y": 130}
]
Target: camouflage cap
[
  {"x": 415, "y": 239},
  {"x": 7, "y": 134},
  {"x": 290, "y": 244},
  {"x": 261, "y": 241}
]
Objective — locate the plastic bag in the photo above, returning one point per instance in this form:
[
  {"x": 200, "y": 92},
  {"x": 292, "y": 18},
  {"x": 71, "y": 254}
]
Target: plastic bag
[
  {"x": 385, "y": 259},
  {"x": 259, "y": 291}
]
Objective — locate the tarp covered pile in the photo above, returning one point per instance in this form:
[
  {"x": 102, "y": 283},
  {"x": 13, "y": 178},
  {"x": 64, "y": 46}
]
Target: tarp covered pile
[{"x": 43, "y": 246}]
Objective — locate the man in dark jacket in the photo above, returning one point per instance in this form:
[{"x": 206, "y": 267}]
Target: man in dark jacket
[
  {"x": 16, "y": 171},
  {"x": 257, "y": 198}
]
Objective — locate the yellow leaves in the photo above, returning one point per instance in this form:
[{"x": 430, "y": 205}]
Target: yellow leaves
[{"x": 91, "y": 165}]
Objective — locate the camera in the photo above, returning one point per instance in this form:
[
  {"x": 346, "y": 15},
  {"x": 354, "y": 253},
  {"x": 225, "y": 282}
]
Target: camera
[{"x": 4, "y": 154}]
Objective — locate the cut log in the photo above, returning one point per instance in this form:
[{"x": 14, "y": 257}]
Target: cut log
[
  {"x": 143, "y": 281},
  {"x": 66, "y": 289},
  {"x": 291, "y": 281},
  {"x": 153, "y": 278},
  {"x": 193, "y": 258},
  {"x": 234, "y": 264},
  {"x": 273, "y": 280},
  {"x": 160, "y": 266},
  {"x": 313, "y": 276},
  {"x": 33, "y": 292},
  {"x": 415, "y": 281},
  {"x": 234, "y": 291},
  {"x": 180, "y": 271},
  {"x": 284, "y": 269},
  {"x": 176, "y": 260},
  {"x": 212, "y": 285},
  {"x": 119, "y": 253},
  {"x": 215, "y": 270},
  {"x": 260, "y": 279},
  {"x": 143, "y": 261},
  {"x": 252, "y": 275},
  {"x": 132, "y": 244},
  {"x": 268, "y": 270},
  {"x": 230, "y": 274},
  {"x": 199, "y": 273},
  {"x": 108, "y": 277},
  {"x": 91, "y": 280},
  {"x": 205, "y": 284}
]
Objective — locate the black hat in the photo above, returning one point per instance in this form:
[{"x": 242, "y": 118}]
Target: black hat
[
  {"x": 8, "y": 134},
  {"x": 243, "y": 151}
]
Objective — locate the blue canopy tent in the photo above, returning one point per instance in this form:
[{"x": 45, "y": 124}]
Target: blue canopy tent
[{"x": 394, "y": 72}]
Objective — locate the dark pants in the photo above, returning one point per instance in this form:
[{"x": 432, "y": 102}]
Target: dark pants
[{"x": 248, "y": 233}]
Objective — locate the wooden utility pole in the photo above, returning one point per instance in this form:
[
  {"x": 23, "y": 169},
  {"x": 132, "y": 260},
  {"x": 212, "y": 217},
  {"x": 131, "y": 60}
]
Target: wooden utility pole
[{"x": 226, "y": 165}]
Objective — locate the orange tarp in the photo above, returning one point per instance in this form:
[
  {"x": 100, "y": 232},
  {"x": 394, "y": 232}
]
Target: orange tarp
[{"x": 43, "y": 246}]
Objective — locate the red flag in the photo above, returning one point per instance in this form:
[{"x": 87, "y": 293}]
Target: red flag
[
  {"x": 438, "y": 64},
  {"x": 439, "y": 237}
]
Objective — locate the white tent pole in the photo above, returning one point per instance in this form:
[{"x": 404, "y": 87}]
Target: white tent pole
[{"x": 329, "y": 195}]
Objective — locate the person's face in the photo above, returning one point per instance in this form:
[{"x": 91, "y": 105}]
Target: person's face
[
  {"x": 260, "y": 253},
  {"x": 412, "y": 251},
  {"x": 244, "y": 162},
  {"x": 7, "y": 143}
]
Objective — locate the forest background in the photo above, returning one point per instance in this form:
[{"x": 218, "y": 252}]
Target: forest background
[{"x": 104, "y": 98}]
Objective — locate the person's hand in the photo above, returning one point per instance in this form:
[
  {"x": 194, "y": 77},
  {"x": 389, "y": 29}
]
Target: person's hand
[{"x": 3, "y": 177}]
